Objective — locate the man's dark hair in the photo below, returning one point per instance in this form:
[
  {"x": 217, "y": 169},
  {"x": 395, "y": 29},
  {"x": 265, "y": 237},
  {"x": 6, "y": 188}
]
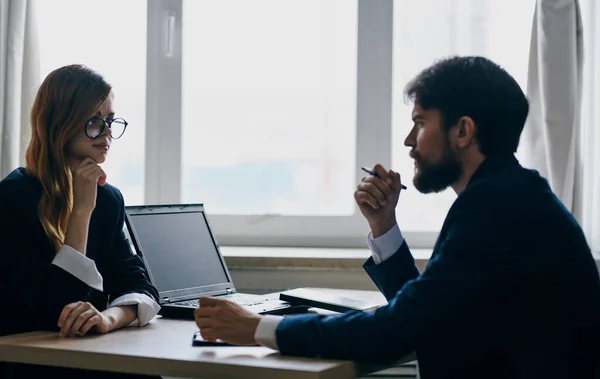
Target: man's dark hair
[{"x": 480, "y": 89}]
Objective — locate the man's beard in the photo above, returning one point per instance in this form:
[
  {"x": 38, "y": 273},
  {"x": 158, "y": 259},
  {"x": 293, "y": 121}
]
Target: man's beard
[{"x": 436, "y": 177}]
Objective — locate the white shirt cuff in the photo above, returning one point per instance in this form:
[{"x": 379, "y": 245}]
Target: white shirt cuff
[
  {"x": 78, "y": 265},
  {"x": 265, "y": 331},
  {"x": 147, "y": 308},
  {"x": 386, "y": 245}
]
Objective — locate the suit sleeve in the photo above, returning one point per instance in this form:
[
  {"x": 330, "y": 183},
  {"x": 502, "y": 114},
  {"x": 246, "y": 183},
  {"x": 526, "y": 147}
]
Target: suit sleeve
[
  {"x": 391, "y": 275},
  {"x": 473, "y": 267},
  {"x": 127, "y": 271},
  {"x": 33, "y": 290}
]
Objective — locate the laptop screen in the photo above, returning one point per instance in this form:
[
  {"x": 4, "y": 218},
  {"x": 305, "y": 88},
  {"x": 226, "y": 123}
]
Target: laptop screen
[{"x": 179, "y": 250}]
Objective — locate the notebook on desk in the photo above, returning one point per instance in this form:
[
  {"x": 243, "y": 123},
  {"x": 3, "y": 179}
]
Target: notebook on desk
[
  {"x": 184, "y": 261},
  {"x": 319, "y": 301}
]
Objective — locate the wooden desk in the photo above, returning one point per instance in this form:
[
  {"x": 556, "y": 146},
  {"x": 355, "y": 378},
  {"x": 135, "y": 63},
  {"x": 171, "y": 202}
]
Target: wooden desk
[{"x": 163, "y": 347}]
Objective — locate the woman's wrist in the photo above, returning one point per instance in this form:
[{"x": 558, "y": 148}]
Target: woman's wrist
[
  {"x": 77, "y": 230},
  {"x": 80, "y": 213},
  {"x": 120, "y": 316}
]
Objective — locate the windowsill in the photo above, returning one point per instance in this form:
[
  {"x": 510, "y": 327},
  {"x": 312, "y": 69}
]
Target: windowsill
[{"x": 246, "y": 257}]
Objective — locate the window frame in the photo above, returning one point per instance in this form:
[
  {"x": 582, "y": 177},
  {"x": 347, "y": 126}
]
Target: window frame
[{"x": 163, "y": 167}]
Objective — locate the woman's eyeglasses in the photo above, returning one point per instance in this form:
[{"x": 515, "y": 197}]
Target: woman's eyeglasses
[{"x": 94, "y": 127}]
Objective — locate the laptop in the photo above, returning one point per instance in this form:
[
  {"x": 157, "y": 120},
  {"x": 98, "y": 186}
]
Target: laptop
[{"x": 184, "y": 261}]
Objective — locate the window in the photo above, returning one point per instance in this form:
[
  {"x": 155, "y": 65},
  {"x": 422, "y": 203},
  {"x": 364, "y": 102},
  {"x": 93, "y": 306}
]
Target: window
[
  {"x": 110, "y": 39},
  {"x": 269, "y": 111},
  {"x": 265, "y": 110},
  {"x": 428, "y": 30}
]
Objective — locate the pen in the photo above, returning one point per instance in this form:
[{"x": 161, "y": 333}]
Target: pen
[{"x": 377, "y": 175}]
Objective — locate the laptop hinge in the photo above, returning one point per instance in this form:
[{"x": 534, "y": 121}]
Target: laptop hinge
[{"x": 229, "y": 291}]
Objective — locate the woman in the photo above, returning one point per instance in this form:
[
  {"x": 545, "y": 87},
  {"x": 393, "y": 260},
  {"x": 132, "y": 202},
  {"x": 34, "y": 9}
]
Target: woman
[{"x": 66, "y": 263}]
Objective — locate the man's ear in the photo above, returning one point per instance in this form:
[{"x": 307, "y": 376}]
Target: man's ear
[{"x": 466, "y": 132}]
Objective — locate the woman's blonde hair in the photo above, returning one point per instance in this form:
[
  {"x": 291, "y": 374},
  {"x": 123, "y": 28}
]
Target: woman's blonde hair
[{"x": 66, "y": 99}]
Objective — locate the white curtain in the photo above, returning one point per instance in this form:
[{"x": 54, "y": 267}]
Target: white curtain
[
  {"x": 554, "y": 92},
  {"x": 587, "y": 204},
  {"x": 561, "y": 136},
  {"x": 19, "y": 80}
]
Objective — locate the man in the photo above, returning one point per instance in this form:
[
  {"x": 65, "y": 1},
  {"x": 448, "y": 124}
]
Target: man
[{"x": 511, "y": 289}]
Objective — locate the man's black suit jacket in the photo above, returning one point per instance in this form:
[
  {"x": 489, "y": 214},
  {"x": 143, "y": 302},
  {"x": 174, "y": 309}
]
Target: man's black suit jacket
[
  {"x": 511, "y": 291},
  {"x": 33, "y": 291}
]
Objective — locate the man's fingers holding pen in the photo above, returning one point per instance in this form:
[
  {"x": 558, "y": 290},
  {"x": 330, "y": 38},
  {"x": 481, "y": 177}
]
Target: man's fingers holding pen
[
  {"x": 394, "y": 181},
  {"x": 380, "y": 171},
  {"x": 363, "y": 197},
  {"x": 378, "y": 186},
  {"x": 370, "y": 193},
  {"x": 380, "y": 190}
]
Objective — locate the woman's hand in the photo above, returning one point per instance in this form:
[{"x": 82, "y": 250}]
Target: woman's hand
[
  {"x": 76, "y": 319},
  {"x": 85, "y": 179}
]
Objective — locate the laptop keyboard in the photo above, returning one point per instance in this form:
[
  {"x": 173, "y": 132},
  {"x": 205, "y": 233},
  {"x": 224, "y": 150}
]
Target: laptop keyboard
[{"x": 238, "y": 298}]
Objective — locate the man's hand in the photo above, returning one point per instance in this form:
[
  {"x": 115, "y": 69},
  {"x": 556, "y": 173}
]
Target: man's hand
[
  {"x": 76, "y": 319},
  {"x": 377, "y": 198},
  {"x": 227, "y": 321}
]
